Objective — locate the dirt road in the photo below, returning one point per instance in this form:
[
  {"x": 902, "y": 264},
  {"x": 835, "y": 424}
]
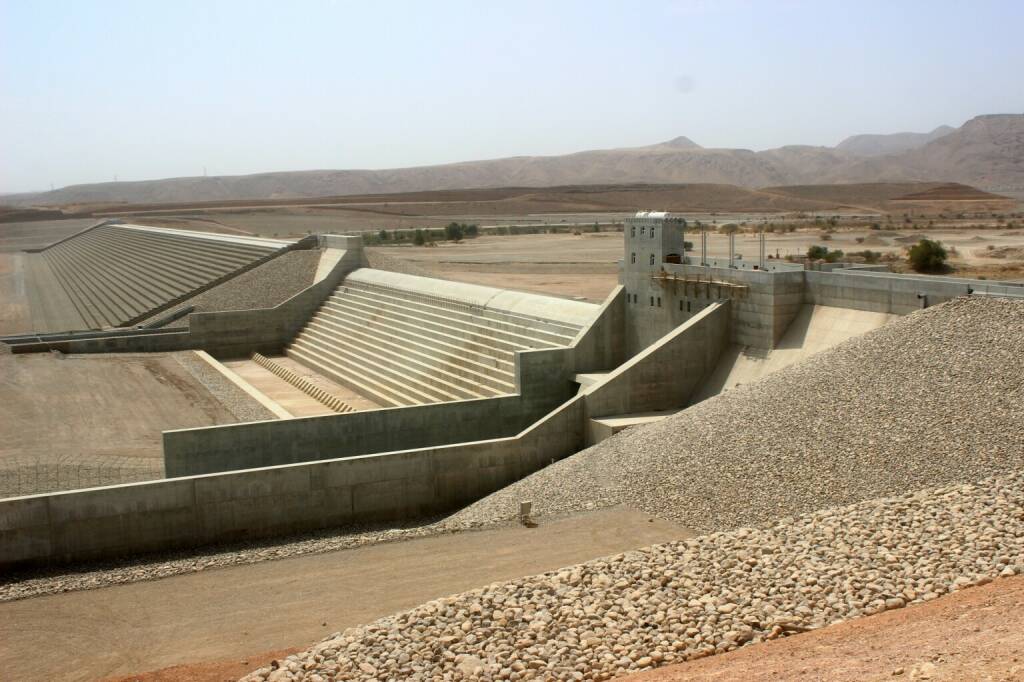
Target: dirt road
[
  {"x": 976, "y": 634},
  {"x": 240, "y": 612}
]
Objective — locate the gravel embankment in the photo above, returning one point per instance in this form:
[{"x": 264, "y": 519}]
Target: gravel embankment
[
  {"x": 932, "y": 398},
  {"x": 265, "y": 286},
  {"x": 235, "y": 400},
  {"x": 684, "y": 600}
]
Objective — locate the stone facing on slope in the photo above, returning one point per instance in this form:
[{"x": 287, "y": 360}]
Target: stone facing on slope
[
  {"x": 932, "y": 398},
  {"x": 684, "y": 600}
]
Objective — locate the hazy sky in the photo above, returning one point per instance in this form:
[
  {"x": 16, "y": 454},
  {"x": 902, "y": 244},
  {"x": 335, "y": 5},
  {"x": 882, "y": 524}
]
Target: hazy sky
[{"x": 148, "y": 89}]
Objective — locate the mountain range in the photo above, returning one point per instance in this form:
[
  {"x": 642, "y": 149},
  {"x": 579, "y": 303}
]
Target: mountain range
[{"x": 986, "y": 152}]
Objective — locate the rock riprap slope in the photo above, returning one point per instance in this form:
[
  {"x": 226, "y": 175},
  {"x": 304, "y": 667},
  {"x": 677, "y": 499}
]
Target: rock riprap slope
[
  {"x": 933, "y": 398},
  {"x": 689, "y": 599}
]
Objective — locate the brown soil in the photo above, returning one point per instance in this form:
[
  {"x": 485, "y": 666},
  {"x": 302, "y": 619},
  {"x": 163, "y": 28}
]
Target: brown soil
[
  {"x": 200, "y": 626},
  {"x": 230, "y": 669},
  {"x": 975, "y": 634}
]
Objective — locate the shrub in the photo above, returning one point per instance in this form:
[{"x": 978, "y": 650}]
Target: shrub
[
  {"x": 817, "y": 252},
  {"x": 419, "y": 239},
  {"x": 868, "y": 255},
  {"x": 927, "y": 256},
  {"x": 687, "y": 246},
  {"x": 453, "y": 232}
]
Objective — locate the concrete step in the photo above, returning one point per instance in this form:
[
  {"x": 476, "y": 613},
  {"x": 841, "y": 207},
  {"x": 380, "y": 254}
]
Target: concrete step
[
  {"x": 564, "y": 329},
  {"x": 484, "y": 356},
  {"x": 113, "y": 262},
  {"x": 400, "y": 378},
  {"x": 478, "y": 342},
  {"x": 107, "y": 308},
  {"x": 114, "y": 283},
  {"x": 178, "y": 279},
  {"x": 500, "y": 380},
  {"x": 197, "y": 245},
  {"x": 181, "y": 257},
  {"x": 473, "y": 315},
  {"x": 362, "y": 382},
  {"x": 83, "y": 304},
  {"x": 448, "y": 318},
  {"x": 407, "y": 365}
]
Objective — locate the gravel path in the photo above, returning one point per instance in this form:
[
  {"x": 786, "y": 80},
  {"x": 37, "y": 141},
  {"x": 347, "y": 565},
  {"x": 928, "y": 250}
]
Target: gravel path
[
  {"x": 684, "y": 600},
  {"x": 932, "y": 398}
]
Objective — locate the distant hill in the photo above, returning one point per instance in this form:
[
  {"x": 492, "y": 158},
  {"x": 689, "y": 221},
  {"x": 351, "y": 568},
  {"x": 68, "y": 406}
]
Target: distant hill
[
  {"x": 894, "y": 143},
  {"x": 986, "y": 152}
]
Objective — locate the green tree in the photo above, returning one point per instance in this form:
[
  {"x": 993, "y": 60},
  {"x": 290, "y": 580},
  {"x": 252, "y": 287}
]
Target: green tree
[
  {"x": 471, "y": 230},
  {"x": 384, "y": 236},
  {"x": 419, "y": 239},
  {"x": 453, "y": 232},
  {"x": 817, "y": 252},
  {"x": 927, "y": 256}
]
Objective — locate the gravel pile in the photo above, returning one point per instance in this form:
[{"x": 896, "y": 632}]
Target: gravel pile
[
  {"x": 684, "y": 600},
  {"x": 264, "y": 286},
  {"x": 932, "y": 398}
]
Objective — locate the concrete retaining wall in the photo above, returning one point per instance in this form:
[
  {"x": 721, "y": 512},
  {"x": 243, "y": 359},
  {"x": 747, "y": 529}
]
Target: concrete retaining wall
[
  {"x": 127, "y": 520},
  {"x": 665, "y": 375},
  {"x": 203, "y": 450},
  {"x": 891, "y": 293}
]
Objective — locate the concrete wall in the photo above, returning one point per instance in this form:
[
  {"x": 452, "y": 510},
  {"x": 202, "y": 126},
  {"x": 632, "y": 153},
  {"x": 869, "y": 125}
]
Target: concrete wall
[
  {"x": 891, "y": 293},
  {"x": 602, "y": 345},
  {"x": 203, "y": 450},
  {"x": 127, "y": 520},
  {"x": 665, "y": 375},
  {"x": 543, "y": 381}
]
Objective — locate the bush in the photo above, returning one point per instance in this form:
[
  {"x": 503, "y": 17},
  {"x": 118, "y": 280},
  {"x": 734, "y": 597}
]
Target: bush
[
  {"x": 419, "y": 239},
  {"x": 927, "y": 256},
  {"x": 384, "y": 236},
  {"x": 453, "y": 232},
  {"x": 823, "y": 253},
  {"x": 817, "y": 252},
  {"x": 687, "y": 246},
  {"x": 868, "y": 255}
]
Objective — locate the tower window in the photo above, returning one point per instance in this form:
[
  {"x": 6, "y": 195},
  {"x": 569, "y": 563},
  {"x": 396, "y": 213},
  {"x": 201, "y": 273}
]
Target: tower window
[
  {"x": 632, "y": 231},
  {"x": 633, "y": 258},
  {"x": 652, "y": 259},
  {"x": 652, "y": 301},
  {"x": 642, "y": 230},
  {"x": 659, "y": 301},
  {"x": 652, "y": 233}
]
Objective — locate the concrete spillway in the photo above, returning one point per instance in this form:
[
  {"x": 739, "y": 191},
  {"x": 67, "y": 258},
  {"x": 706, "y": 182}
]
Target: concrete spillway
[{"x": 399, "y": 346}]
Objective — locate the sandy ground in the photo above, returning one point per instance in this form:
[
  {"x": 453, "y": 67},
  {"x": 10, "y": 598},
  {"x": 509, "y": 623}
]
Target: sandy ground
[
  {"x": 89, "y": 415},
  {"x": 975, "y": 634},
  {"x": 237, "y": 614}
]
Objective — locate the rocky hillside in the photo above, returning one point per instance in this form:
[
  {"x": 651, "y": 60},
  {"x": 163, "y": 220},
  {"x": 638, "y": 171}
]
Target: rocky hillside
[
  {"x": 894, "y": 143},
  {"x": 986, "y": 152}
]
